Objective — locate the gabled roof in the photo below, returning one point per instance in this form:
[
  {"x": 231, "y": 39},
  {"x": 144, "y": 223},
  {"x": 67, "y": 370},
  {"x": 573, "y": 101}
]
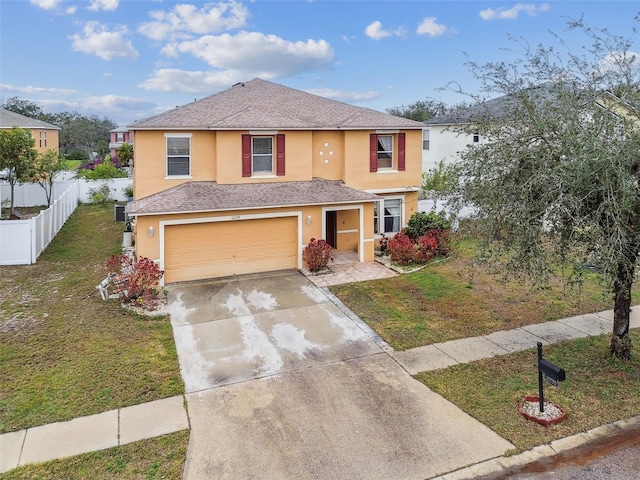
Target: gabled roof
[
  {"x": 259, "y": 104},
  {"x": 9, "y": 119},
  {"x": 212, "y": 197}
]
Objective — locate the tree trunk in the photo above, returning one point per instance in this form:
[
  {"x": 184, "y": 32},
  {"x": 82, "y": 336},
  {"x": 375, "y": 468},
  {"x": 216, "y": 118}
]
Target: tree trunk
[{"x": 620, "y": 340}]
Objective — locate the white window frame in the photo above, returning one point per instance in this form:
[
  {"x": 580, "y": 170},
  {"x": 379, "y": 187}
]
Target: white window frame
[
  {"x": 390, "y": 152},
  {"x": 168, "y": 136},
  {"x": 261, "y": 173},
  {"x": 426, "y": 134},
  {"x": 379, "y": 221},
  {"x": 119, "y": 137}
]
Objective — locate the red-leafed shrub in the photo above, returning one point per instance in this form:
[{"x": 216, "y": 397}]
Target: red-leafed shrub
[
  {"x": 427, "y": 246},
  {"x": 135, "y": 281},
  {"x": 443, "y": 239},
  {"x": 401, "y": 249},
  {"x": 317, "y": 255}
]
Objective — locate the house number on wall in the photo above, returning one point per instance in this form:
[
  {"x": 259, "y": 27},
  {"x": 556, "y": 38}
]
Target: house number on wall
[{"x": 235, "y": 217}]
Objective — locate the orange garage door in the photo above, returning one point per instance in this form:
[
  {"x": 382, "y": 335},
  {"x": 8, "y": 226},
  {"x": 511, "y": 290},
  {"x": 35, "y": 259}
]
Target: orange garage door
[{"x": 197, "y": 251}]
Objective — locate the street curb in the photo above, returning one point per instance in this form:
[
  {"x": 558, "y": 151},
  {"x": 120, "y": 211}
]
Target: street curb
[{"x": 556, "y": 447}]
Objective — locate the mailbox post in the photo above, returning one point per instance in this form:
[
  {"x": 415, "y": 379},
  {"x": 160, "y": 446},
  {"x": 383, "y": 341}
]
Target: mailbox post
[{"x": 549, "y": 372}]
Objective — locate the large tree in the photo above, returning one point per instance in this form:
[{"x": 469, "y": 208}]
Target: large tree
[
  {"x": 556, "y": 176},
  {"x": 17, "y": 153},
  {"x": 419, "y": 110},
  {"x": 77, "y": 132}
]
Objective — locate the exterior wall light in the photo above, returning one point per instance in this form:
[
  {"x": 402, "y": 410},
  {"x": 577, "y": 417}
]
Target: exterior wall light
[
  {"x": 150, "y": 231},
  {"x": 308, "y": 219}
]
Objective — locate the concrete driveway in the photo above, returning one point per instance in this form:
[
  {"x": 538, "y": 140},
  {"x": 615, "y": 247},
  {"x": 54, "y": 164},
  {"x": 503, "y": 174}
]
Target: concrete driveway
[{"x": 282, "y": 384}]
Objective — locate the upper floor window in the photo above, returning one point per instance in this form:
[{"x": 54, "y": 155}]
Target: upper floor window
[
  {"x": 425, "y": 139},
  {"x": 178, "y": 154},
  {"x": 261, "y": 153},
  {"x": 387, "y": 152},
  {"x": 476, "y": 137},
  {"x": 40, "y": 135},
  {"x": 45, "y": 138},
  {"x": 120, "y": 137}
]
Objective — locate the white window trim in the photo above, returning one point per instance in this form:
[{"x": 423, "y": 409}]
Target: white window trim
[
  {"x": 402, "y": 213},
  {"x": 272, "y": 173},
  {"x": 166, "y": 156}
]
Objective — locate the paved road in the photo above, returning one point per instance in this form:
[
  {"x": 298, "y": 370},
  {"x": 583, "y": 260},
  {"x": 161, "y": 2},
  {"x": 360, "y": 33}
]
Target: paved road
[{"x": 616, "y": 458}]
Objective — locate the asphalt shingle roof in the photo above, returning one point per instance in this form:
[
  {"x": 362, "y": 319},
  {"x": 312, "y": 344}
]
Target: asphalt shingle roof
[
  {"x": 210, "y": 196},
  {"x": 259, "y": 104},
  {"x": 9, "y": 119}
]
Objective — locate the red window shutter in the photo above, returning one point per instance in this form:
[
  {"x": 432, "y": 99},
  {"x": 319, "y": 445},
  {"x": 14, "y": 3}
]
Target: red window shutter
[
  {"x": 373, "y": 157},
  {"x": 246, "y": 155},
  {"x": 401, "y": 151},
  {"x": 280, "y": 154}
]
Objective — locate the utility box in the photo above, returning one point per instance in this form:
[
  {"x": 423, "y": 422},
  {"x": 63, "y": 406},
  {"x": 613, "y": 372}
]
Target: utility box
[{"x": 119, "y": 213}]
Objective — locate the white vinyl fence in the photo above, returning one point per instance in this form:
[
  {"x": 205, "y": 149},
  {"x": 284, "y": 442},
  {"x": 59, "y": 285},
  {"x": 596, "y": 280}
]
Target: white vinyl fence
[
  {"x": 22, "y": 241},
  {"x": 440, "y": 205}
]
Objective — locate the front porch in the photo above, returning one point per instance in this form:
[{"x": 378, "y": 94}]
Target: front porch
[{"x": 345, "y": 268}]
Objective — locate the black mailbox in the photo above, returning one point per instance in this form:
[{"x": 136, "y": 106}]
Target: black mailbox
[{"x": 552, "y": 373}]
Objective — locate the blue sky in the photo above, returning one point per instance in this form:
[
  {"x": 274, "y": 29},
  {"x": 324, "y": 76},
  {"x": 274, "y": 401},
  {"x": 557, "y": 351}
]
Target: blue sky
[{"x": 129, "y": 59}]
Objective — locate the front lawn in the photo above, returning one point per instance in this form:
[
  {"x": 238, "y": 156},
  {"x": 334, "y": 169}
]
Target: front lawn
[
  {"x": 65, "y": 352},
  {"x": 454, "y": 299},
  {"x": 155, "y": 458},
  {"x": 598, "y": 390}
]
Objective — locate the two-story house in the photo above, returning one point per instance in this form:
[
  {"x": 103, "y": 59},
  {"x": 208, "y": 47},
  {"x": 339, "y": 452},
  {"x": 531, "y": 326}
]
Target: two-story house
[
  {"x": 46, "y": 135},
  {"x": 119, "y": 136},
  {"x": 240, "y": 181}
]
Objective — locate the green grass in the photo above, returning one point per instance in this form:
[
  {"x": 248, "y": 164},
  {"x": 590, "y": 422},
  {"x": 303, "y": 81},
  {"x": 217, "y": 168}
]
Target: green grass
[
  {"x": 456, "y": 298},
  {"x": 65, "y": 352},
  {"x": 598, "y": 390},
  {"x": 157, "y": 458}
]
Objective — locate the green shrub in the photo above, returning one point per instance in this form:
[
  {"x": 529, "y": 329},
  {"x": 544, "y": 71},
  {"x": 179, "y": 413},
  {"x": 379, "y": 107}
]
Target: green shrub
[
  {"x": 102, "y": 171},
  {"x": 100, "y": 195},
  {"x": 421, "y": 222},
  {"x": 77, "y": 154}
]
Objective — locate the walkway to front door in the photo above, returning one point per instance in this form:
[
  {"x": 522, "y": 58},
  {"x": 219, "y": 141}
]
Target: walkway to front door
[{"x": 345, "y": 268}]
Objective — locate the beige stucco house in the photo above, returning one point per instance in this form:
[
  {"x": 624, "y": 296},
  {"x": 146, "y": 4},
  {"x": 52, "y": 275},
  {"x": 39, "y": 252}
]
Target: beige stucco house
[
  {"x": 46, "y": 135},
  {"x": 240, "y": 181}
]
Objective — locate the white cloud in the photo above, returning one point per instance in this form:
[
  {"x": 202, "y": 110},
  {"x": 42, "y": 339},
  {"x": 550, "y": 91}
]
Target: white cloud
[
  {"x": 345, "y": 96},
  {"x": 175, "y": 80},
  {"x": 185, "y": 20},
  {"x": 512, "y": 13},
  {"x": 97, "y": 40},
  {"x": 4, "y": 87},
  {"x": 376, "y": 32},
  {"x": 115, "y": 102},
  {"x": 430, "y": 26},
  {"x": 97, "y": 5},
  {"x": 71, "y": 10},
  {"x": 46, "y": 4},
  {"x": 620, "y": 61},
  {"x": 256, "y": 54}
]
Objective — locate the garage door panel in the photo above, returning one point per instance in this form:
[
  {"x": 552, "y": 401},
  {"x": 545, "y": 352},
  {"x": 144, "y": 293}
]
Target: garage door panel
[{"x": 215, "y": 249}]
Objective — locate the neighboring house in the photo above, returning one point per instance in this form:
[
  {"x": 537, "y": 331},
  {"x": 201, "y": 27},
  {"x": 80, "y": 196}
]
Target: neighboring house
[
  {"x": 240, "y": 181},
  {"x": 443, "y": 139},
  {"x": 46, "y": 135},
  {"x": 118, "y": 136}
]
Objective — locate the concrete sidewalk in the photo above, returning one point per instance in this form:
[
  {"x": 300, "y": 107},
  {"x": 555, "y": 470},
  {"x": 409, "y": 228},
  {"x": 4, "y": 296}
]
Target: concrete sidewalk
[
  {"x": 92, "y": 433},
  {"x": 464, "y": 350}
]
